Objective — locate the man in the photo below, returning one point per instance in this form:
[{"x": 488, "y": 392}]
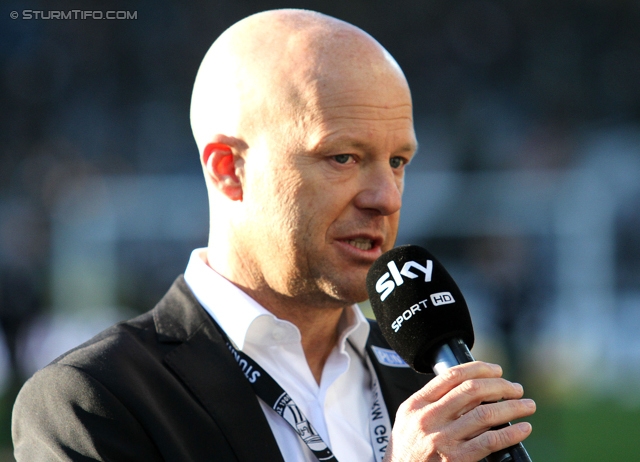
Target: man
[{"x": 304, "y": 127}]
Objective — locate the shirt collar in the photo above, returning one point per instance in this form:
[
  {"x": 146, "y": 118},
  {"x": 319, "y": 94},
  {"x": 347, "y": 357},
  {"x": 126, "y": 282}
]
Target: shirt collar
[{"x": 244, "y": 319}]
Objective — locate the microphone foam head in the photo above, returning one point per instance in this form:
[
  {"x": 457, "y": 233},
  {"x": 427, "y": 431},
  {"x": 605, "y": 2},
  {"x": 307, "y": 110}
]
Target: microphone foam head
[{"x": 417, "y": 304}]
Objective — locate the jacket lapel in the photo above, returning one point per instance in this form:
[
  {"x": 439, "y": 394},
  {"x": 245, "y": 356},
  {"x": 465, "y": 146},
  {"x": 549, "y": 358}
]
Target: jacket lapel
[
  {"x": 396, "y": 383},
  {"x": 203, "y": 362}
]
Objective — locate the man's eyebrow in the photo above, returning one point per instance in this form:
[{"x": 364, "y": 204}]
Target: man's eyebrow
[
  {"x": 409, "y": 147},
  {"x": 351, "y": 143}
]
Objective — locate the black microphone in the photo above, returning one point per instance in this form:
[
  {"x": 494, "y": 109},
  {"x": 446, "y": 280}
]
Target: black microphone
[{"x": 424, "y": 317}]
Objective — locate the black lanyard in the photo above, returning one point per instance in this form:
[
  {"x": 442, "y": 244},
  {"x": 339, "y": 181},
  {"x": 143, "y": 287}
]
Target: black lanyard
[{"x": 269, "y": 391}]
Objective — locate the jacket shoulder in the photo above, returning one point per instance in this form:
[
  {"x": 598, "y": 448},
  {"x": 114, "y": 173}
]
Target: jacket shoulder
[
  {"x": 145, "y": 389},
  {"x": 142, "y": 340}
]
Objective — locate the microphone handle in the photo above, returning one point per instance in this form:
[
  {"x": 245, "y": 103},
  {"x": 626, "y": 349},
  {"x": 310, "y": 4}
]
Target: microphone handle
[{"x": 455, "y": 352}]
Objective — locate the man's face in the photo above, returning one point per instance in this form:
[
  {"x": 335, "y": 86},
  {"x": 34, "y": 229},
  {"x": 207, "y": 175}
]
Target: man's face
[{"x": 324, "y": 195}]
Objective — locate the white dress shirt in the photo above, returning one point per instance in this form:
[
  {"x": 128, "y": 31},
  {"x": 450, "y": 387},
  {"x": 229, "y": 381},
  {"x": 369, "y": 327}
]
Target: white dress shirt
[{"x": 338, "y": 407}]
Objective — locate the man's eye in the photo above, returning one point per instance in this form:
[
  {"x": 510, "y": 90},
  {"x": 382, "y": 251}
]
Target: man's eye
[
  {"x": 396, "y": 162},
  {"x": 342, "y": 158}
]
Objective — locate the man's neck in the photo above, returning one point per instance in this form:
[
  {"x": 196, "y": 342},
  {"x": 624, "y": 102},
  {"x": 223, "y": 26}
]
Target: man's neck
[
  {"x": 317, "y": 322},
  {"x": 319, "y": 329}
]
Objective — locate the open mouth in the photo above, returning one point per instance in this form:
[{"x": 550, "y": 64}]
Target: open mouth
[{"x": 361, "y": 243}]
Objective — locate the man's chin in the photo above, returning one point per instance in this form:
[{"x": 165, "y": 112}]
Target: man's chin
[{"x": 347, "y": 294}]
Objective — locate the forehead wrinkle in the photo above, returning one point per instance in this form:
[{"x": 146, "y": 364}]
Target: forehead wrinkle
[
  {"x": 365, "y": 112},
  {"x": 368, "y": 107},
  {"x": 330, "y": 124},
  {"x": 355, "y": 117}
]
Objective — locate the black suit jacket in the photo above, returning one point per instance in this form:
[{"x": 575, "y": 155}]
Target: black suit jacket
[{"x": 160, "y": 387}]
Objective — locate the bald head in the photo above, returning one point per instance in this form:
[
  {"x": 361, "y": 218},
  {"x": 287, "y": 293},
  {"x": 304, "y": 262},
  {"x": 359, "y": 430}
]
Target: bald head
[
  {"x": 271, "y": 70},
  {"x": 304, "y": 126}
]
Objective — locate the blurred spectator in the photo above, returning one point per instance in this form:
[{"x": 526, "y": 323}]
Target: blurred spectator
[{"x": 23, "y": 241}]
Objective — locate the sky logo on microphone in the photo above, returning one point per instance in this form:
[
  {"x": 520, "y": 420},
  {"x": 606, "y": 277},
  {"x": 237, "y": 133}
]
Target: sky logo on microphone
[
  {"x": 385, "y": 286},
  {"x": 442, "y": 298}
]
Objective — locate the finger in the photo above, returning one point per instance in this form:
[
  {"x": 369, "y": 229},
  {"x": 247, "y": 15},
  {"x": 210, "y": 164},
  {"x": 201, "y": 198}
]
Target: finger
[
  {"x": 494, "y": 440},
  {"x": 451, "y": 378},
  {"x": 487, "y": 416},
  {"x": 471, "y": 393}
]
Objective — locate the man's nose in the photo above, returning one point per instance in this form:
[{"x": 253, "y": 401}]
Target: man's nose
[{"x": 380, "y": 190}]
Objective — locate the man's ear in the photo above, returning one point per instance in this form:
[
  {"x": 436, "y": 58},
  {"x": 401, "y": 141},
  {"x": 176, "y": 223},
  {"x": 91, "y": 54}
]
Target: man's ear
[{"x": 220, "y": 165}]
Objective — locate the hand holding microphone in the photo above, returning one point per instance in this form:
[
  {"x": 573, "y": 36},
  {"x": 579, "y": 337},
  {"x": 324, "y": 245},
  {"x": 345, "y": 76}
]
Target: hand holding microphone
[{"x": 463, "y": 414}]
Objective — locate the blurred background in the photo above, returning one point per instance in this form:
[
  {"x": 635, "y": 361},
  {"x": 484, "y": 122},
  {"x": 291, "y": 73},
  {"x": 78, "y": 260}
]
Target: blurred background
[{"x": 527, "y": 184}]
